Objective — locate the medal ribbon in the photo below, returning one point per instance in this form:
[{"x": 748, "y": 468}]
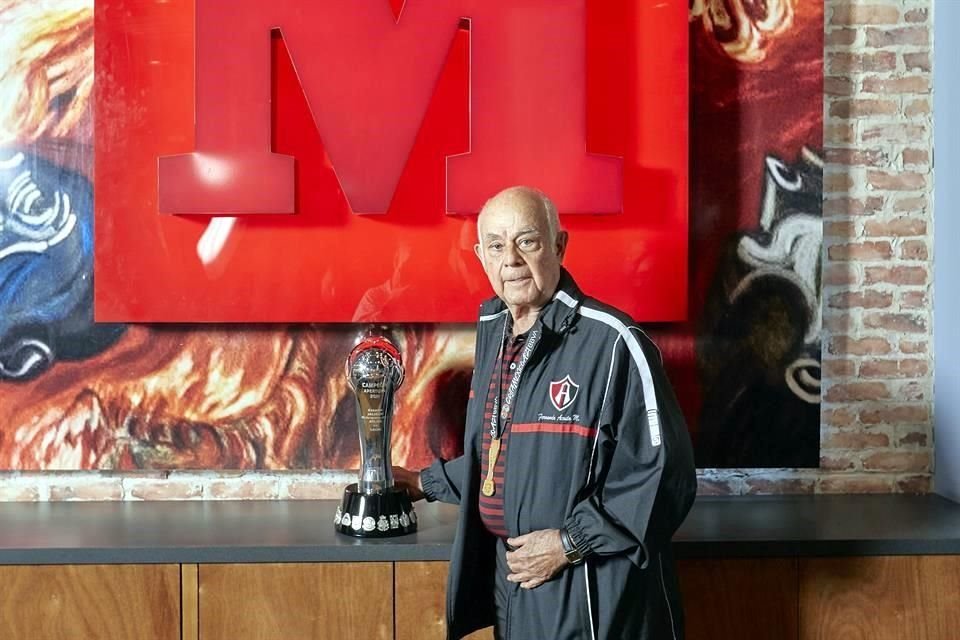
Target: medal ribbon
[{"x": 503, "y": 414}]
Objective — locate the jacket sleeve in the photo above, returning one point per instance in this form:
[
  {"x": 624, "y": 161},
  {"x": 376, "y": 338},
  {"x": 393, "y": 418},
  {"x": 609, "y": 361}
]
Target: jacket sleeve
[
  {"x": 441, "y": 480},
  {"x": 645, "y": 479}
]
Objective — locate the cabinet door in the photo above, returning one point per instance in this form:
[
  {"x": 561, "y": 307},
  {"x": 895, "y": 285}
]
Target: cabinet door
[
  {"x": 81, "y": 602},
  {"x": 740, "y": 599},
  {"x": 296, "y": 601},
  {"x": 421, "y": 595},
  {"x": 882, "y": 598}
]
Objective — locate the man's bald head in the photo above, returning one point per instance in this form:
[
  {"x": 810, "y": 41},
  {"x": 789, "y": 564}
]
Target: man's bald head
[
  {"x": 522, "y": 198},
  {"x": 521, "y": 247}
]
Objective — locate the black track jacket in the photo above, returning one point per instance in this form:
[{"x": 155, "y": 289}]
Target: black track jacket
[{"x": 608, "y": 457}]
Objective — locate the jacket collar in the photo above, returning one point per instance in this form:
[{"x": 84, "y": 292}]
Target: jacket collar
[{"x": 558, "y": 314}]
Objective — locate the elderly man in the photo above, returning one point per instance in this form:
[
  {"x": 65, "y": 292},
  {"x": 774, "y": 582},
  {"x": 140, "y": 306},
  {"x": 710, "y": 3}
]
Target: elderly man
[{"x": 577, "y": 465}]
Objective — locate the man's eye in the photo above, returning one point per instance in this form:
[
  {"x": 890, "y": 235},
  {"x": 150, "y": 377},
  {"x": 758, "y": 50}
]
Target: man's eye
[{"x": 495, "y": 247}]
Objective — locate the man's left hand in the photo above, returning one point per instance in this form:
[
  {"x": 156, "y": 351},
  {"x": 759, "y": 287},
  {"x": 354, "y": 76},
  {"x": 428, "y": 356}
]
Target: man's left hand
[{"x": 537, "y": 557}]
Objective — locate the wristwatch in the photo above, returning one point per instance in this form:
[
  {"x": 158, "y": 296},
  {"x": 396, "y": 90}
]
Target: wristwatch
[{"x": 569, "y": 549}]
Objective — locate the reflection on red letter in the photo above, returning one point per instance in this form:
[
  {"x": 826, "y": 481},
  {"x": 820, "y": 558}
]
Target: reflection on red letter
[{"x": 368, "y": 78}]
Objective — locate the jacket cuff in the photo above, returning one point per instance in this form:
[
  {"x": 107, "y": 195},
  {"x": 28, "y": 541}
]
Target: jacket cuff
[
  {"x": 578, "y": 537},
  {"x": 431, "y": 486}
]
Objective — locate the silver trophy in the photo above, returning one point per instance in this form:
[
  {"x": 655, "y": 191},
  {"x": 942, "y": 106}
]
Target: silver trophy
[{"x": 373, "y": 507}]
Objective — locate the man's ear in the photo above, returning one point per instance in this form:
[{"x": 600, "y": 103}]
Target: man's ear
[
  {"x": 477, "y": 249},
  {"x": 562, "y": 239}
]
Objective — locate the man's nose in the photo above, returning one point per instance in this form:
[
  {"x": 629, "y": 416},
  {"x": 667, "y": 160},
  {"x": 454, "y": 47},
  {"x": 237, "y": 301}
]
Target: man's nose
[{"x": 512, "y": 255}]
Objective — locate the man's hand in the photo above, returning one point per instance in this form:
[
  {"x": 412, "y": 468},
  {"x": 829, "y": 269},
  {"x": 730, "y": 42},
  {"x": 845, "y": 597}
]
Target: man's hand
[
  {"x": 409, "y": 480},
  {"x": 537, "y": 557}
]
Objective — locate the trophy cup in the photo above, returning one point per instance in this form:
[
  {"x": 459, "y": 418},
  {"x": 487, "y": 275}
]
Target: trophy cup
[{"x": 373, "y": 507}]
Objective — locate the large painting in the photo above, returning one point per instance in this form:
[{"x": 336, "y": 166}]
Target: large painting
[{"x": 78, "y": 394}]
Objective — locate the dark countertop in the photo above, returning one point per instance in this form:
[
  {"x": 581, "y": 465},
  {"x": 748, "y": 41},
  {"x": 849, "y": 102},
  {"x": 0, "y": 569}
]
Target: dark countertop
[{"x": 302, "y": 531}]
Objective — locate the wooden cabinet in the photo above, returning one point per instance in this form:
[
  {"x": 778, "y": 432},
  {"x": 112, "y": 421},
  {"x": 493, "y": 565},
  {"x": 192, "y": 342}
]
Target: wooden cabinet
[
  {"x": 881, "y": 598},
  {"x": 90, "y": 602},
  {"x": 741, "y": 599},
  {"x": 861, "y": 598},
  {"x": 421, "y": 603},
  {"x": 270, "y": 601},
  {"x": 868, "y": 598}
]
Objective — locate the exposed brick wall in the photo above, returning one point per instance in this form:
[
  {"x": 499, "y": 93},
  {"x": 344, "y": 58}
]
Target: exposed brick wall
[
  {"x": 876, "y": 433},
  {"x": 877, "y": 360}
]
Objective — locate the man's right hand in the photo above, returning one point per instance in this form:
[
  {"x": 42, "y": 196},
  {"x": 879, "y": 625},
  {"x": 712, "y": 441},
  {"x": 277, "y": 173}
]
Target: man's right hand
[{"x": 409, "y": 480}]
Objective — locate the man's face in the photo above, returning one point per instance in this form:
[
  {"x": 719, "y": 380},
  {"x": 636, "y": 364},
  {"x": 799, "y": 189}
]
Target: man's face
[{"x": 522, "y": 262}]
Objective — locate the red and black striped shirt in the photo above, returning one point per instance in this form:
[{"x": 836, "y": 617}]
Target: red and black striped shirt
[{"x": 491, "y": 507}]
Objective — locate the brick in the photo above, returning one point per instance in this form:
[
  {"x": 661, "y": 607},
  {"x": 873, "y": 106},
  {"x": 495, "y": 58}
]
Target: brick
[
  {"x": 905, "y": 133},
  {"x": 857, "y": 391},
  {"x": 836, "y": 463},
  {"x": 917, "y": 61},
  {"x": 862, "y": 108},
  {"x": 847, "y": 206},
  {"x": 919, "y": 485},
  {"x": 839, "y": 368},
  {"x": 855, "y": 483},
  {"x": 836, "y": 86},
  {"x": 843, "y": 230},
  {"x": 914, "y": 250},
  {"x": 902, "y": 84},
  {"x": 902, "y": 226},
  {"x": 855, "y": 440},
  {"x": 849, "y": 14},
  {"x": 259, "y": 489},
  {"x": 861, "y": 251},
  {"x": 896, "y": 275},
  {"x": 904, "y": 461},
  {"x": 14, "y": 493},
  {"x": 901, "y": 181},
  {"x": 895, "y": 414},
  {"x": 915, "y": 108},
  {"x": 863, "y": 299},
  {"x": 919, "y": 157},
  {"x": 839, "y": 37},
  {"x": 911, "y": 204},
  {"x": 779, "y": 485},
  {"x": 84, "y": 489},
  {"x": 842, "y": 63},
  {"x": 912, "y": 346},
  {"x": 905, "y": 322},
  {"x": 837, "y": 322},
  {"x": 913, "y": 438},
  {"x": 835, "y": 182},
  {"x": 164, "y": 489},
  {"x": 913, "y": 299},
  {"x": 305, "y": 490},
  {"x": 882, "y": 38},
  {"x": 912, "y": 392},
  {"x": 840, "y": 274},
  {"x": 839, "y": 417},
  {"x": 914, "y": 368},
  {"x": 911, "y": 368},
  {"x": 915, "y": 15},
  {"x": 707, "y": 486},
  {"x": 870, "y": 157},
  {"x": 839, "y": 133}
]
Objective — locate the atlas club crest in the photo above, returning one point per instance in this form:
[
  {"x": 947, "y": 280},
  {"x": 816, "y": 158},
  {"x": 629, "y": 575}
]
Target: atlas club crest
[{"x": 563, "y": 392}]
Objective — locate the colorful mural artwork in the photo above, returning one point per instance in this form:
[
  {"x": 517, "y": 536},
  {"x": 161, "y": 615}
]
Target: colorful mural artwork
[{"x": 75, "y": 394}]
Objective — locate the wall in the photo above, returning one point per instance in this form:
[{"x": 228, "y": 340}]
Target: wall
[
  {"x": 877, "y": 354},
  {"x": 947, "y": 342},
  {"x": 876, "y": 433}
]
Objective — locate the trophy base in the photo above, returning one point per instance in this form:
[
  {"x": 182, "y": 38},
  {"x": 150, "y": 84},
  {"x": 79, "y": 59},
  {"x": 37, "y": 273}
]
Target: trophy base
[{"x": 375, "y": 515}]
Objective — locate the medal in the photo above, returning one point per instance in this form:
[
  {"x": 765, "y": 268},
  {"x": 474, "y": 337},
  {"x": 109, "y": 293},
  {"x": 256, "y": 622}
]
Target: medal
[{"x": 489, "y": 488}]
